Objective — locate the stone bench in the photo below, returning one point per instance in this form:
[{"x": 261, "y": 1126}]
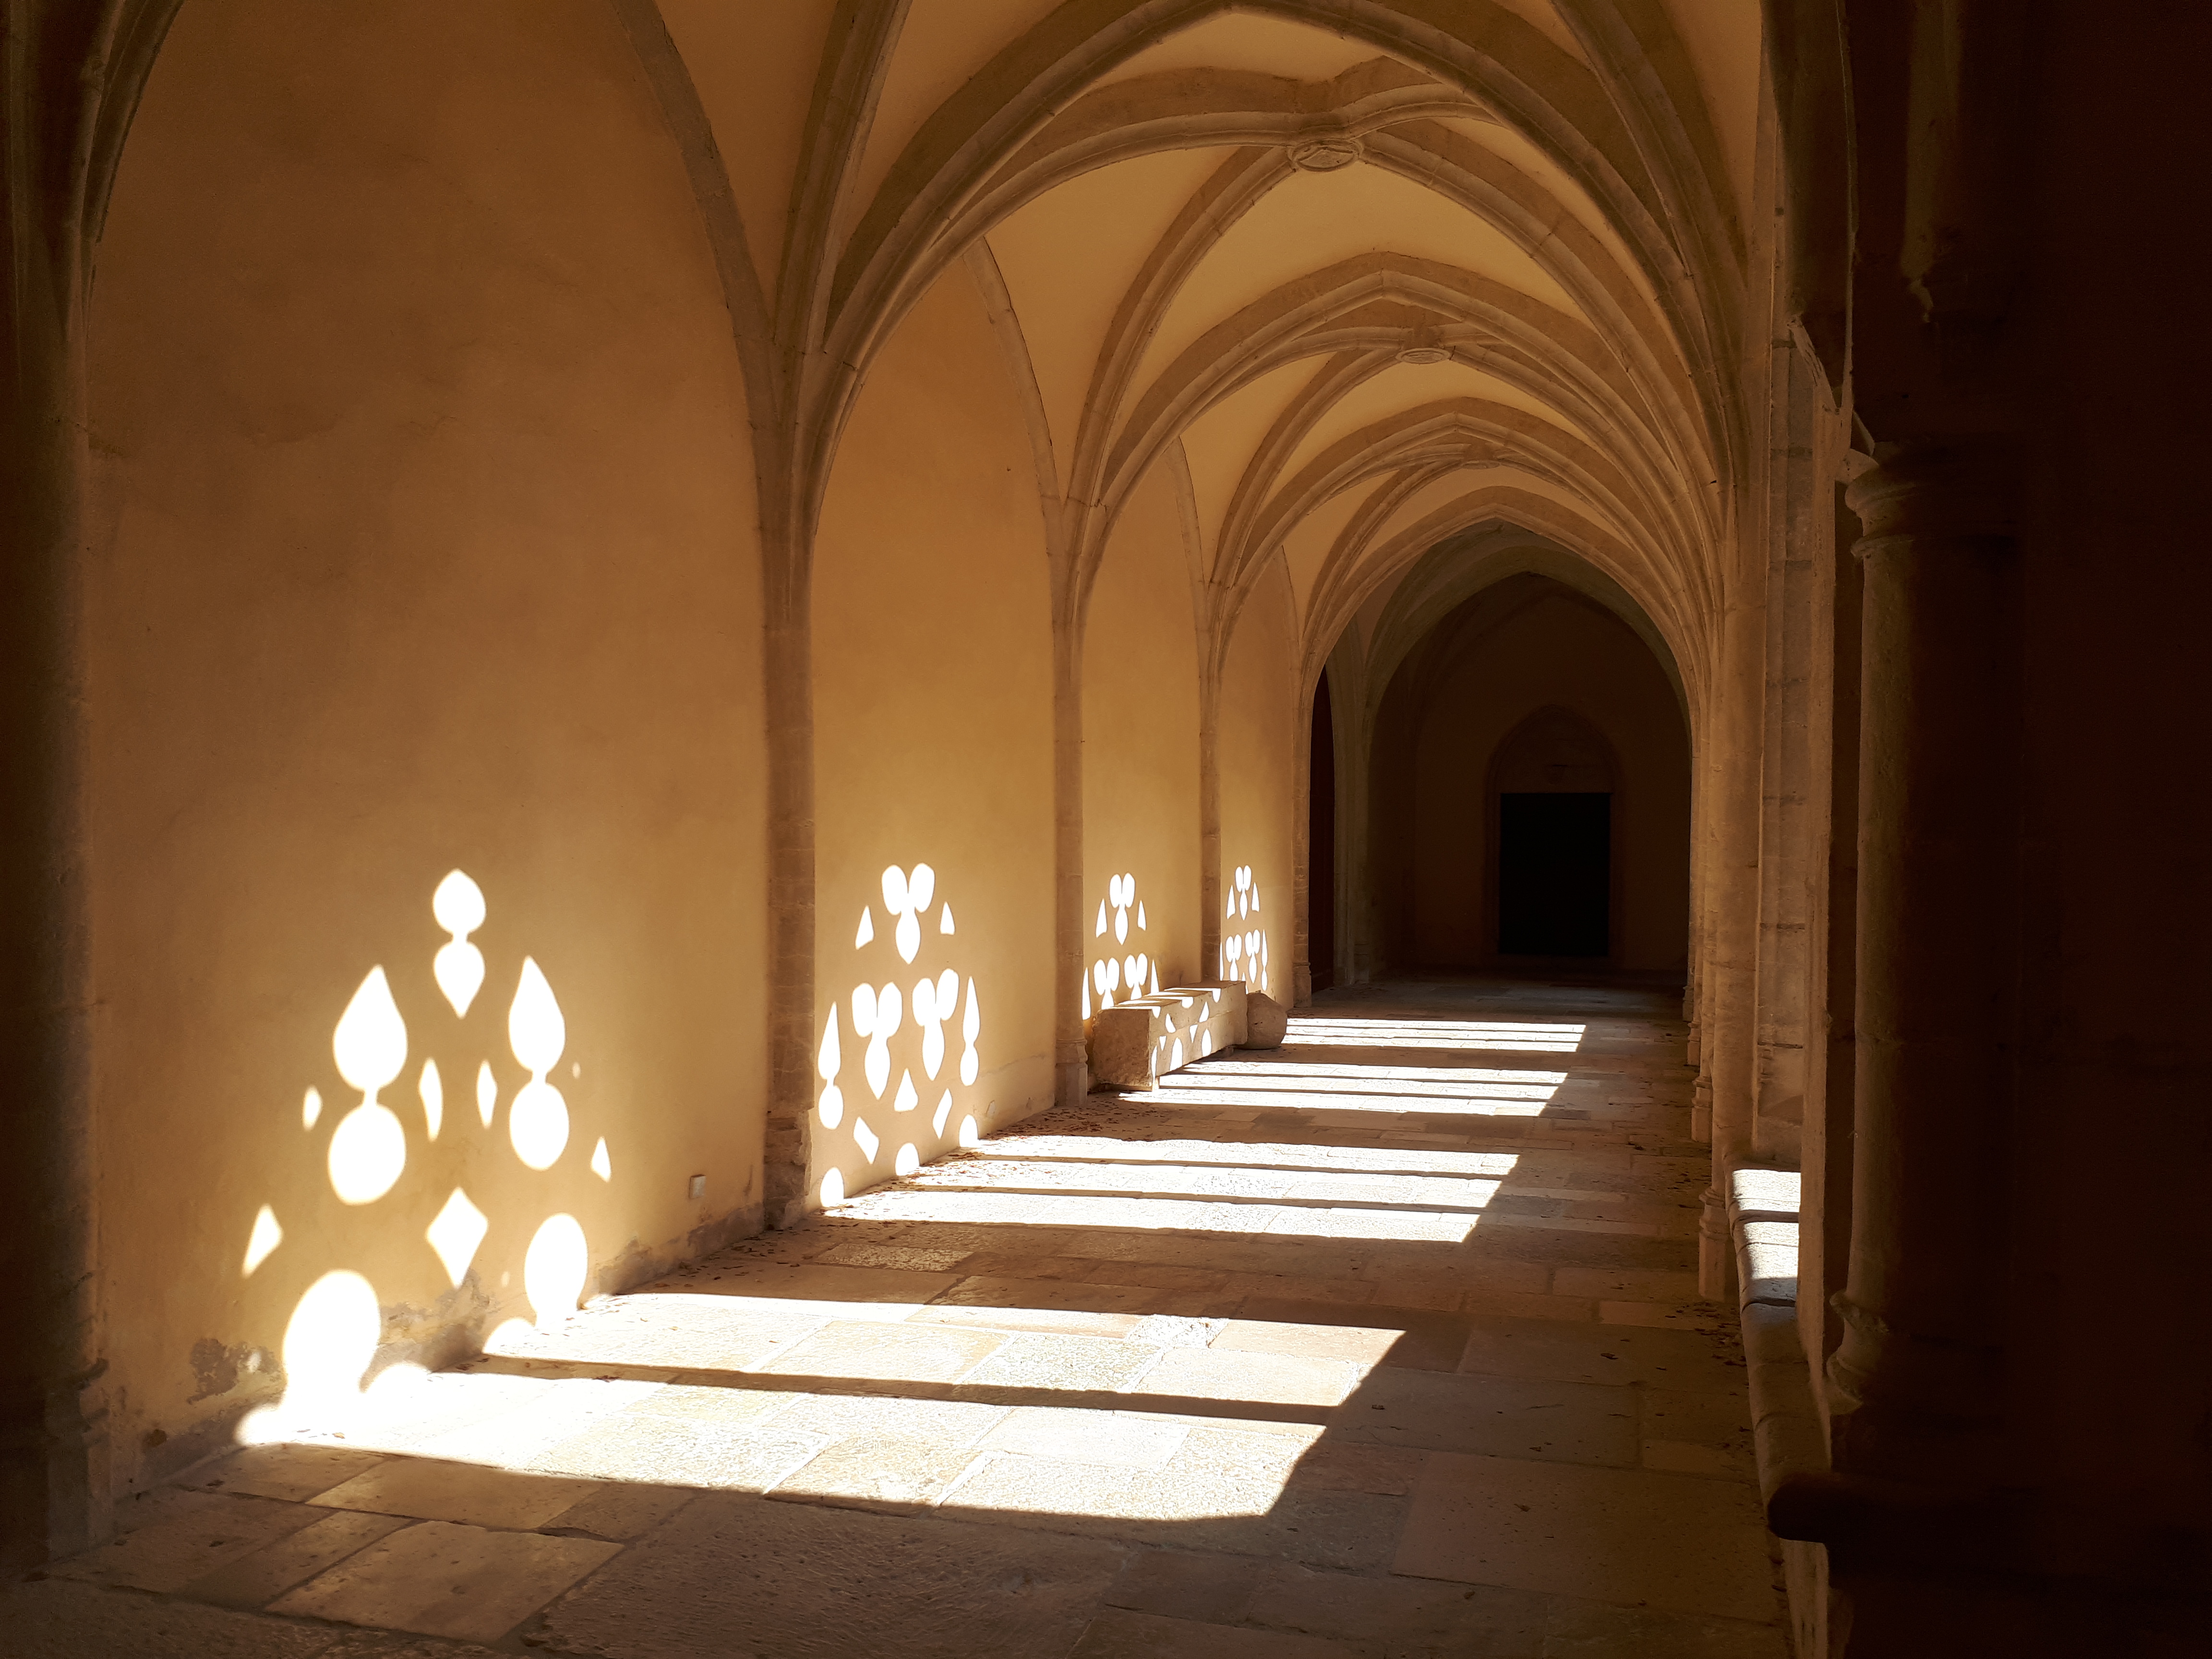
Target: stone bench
[{"x": 1133, "y": 1042}]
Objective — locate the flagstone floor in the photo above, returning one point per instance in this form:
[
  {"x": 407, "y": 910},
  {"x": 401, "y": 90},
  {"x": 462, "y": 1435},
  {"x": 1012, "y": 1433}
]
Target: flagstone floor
[{"x": 1381, "y": 1343}]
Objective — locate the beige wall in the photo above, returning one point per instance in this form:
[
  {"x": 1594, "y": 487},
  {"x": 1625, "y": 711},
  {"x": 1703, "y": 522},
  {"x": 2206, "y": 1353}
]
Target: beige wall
[
  {"x": 1561, "y": 651},
  {"x": 1141, "y": 751},
  {"x": 1257, "y": 750},
  {"x": 933, "y": 705},
  {"x": 425, "y": 540}
]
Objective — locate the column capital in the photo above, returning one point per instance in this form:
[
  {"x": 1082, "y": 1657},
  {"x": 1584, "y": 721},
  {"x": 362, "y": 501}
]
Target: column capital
[{"x": 1965, "y": 487}]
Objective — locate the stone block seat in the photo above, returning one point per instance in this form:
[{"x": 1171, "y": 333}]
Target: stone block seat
[{"x": 1134, "y": 1042}]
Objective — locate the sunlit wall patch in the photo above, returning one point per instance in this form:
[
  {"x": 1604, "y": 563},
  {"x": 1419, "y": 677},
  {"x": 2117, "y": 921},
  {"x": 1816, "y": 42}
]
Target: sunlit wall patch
[
  {"x": 1243, "y": 940},
  {"x": 904, "y": 1032},
  {"x": 1123, "y": 968}
]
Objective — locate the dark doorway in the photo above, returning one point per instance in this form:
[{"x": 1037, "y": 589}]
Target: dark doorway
[
  {"x": 1554, "y": 874},
  {"x": 1321, "y": 843}
]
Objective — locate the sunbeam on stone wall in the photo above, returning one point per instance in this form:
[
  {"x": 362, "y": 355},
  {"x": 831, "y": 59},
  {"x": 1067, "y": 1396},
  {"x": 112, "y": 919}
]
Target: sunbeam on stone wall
[
  {"x": 925, "y": 1034},
  {"x": 344, "y": 1335}
]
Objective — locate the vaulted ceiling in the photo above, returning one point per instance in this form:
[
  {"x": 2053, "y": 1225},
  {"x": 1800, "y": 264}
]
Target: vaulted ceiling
[{"x": 1371, "y": 276}]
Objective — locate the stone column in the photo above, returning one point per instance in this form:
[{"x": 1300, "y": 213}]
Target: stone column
[
  {"x": 53, "y": 1483},
  {"x": 1915, "y": 1374}
]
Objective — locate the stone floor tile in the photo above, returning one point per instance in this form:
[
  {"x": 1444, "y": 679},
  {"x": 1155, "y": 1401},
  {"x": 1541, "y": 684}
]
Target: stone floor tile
[
  {"x": 1590, "y": 1630},
  {"x": 700, "y": 1454},
  {"x": 1116, "y": 1439},
  {"x": 1706, "y": 1318},
  {"x": 1064, "y": 1295},
  {"x": 429, "y": 1490},
  {"x": 902, "y": 1258},
  {"x": 1624, "y": 1537},
  {"x": 1266, "y": 1378},
  {"x": 1076, "y": 1364},
  {"x": 1515, "y": 1304},
  {"x": 64, "y": 1618},
  {"x": 899, "y": 1354},
  {"x": 720, "y": 1401},
  {"x": 1608, "y": 1285},
  {"x": 1050, "y": 1320},
  {"x": 1430, "y": 1411},
  {"x": 290, "y": 1472},
  {"x": 441, "y": 1579},
  {"x": 1549, "y": 1349},
  {"x": 1160, "y": 1275},
  {"x": 1730, "y": 1462},
  {"x": 1011, "y": 1264},
  {"x": 820, "y": 1283},
  {"x": 1396, "y": 1618},
  {"x": 1186, "y": 1585},
  {"x": 1695, "y": 1417},
  {"x": 1419, "y": 1339},
  {"x": 1336, "y": 1465},
  {"x": 947, "y": 1422},
  {"x": 1284, "y": 1288},
  {"x": 1363, "y": 1345},
  {"x": 170, "y": 1537},
  {"x": 1115, "y": 1634},
  {"x": 255, "y": 1580},
  {"x": 618, "y": 1510},
  {"x": 803, "y": 1582},
  {"x": 878, "y": 1471}
]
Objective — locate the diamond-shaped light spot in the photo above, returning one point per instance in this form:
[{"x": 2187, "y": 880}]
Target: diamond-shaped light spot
[{"x": 459, "y": 1228}]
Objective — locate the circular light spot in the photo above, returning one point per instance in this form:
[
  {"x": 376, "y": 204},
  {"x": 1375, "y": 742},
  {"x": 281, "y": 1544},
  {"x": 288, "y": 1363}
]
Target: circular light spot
[
  {"x": 538, "y": 1124},
  {"x": 329, "y": 1344},
  {"x": 368, "y": 1149},
  {"x": 555, "y": 1268}
]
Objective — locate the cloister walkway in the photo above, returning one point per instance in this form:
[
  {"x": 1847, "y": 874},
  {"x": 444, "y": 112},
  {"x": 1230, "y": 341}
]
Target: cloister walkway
[{"x": 1381, "y": 1343}]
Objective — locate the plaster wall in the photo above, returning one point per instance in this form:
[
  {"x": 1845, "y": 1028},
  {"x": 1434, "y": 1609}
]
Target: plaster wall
[
  {"x": 1258, "y": 735},
  {"x": 932, "y": 734},
  {"x": 1140, "y": 749},
  {"x": 423, "y": 540},
  {"x": 1559, "y": 652}
]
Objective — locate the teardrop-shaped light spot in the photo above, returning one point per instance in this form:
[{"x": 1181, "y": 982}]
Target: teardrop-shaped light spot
[
  {"x": 921, "y": 887},
  {"x": 833, "y": 1189},
  {"x": 1156, "y": 979},
  {"x": 972, "y": 1021},
  {"x": 925, "y": 1001},
  {"x": 945, "y": 917},
  {"x": 907, "y": 1099},
  {"x": 863, "y": 1010},
  {"x": 866, "y": 933},
  {"x": 267, "y": 1235},
  {"x": 311, "y": 1108},
  {"x": 1101, "y": 918},
  {"x": 487, "y": 1093},
  {"x": 602, "y": 1165},
  {"x": 942, "y": 1113},
  {"x": 908, "y": 1161},
  {"x": 828, "y": 1058},
  {"x": 970, "y": 1134},
  {"x": 370, "y": 1043},
  {"x": 865, "y": 1139},
  {"x": 432, "y": 1088},
  {"x": 458, "y": 968},
  {"x": 537, "y": 1125},
  {"x": 535, "y": 1029},
  {"x": 948, "y": 994},
  {"x": 888, "y": 1011},
  {"x": 1085, "y": 983},
  {"x": 832, "y": 1106},
  {"x": 1140, "y": 913},
  {"x": 895, "y": 889},
  {"x": 1121, "y": 926},
  {"x": 1113, "y": 974},
  {"x": 907, "y": 936}
]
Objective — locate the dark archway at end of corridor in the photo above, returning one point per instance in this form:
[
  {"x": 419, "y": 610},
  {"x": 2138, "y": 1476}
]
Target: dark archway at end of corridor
[
  {"x": 1320, "y": 841},
  {"x": 1529, "y": 792}
]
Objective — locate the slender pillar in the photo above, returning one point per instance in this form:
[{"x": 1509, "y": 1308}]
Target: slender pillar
[
  {"x": 1914, "y": 1375},
  {"x": 53, "y": 1480}
]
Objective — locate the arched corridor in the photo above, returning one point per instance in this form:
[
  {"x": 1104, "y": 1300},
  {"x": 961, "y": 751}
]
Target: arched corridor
[{"x": 954, "y": 785}]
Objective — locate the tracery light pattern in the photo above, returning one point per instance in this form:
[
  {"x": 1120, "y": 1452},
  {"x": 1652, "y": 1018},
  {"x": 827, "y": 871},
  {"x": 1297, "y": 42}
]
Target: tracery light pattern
[
  {"x": 338, "y": 1324},
  {"x": 1128, "y": 974},
  {"x": 904, "y": 1029},
  {"x": 1243, "y": 940}
]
